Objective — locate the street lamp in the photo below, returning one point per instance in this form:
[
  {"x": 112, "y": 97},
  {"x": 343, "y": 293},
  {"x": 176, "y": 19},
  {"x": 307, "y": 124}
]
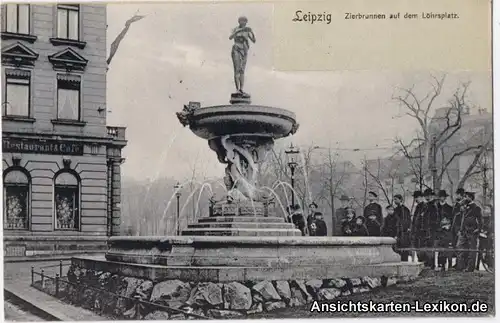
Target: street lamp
[
  {"x": 177, "y": 189},
  {"x": 292, "y": 153}
]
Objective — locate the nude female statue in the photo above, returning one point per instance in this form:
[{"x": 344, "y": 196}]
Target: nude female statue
[{"x": 239, "y": 53}]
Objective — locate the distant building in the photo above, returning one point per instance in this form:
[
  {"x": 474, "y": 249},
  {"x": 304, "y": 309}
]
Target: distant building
[{"x": 61, "y": 163}]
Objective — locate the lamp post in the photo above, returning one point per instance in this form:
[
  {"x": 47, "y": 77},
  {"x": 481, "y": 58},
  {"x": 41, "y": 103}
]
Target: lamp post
[
  {"x": 292, "y": 153},
  {"x": 177, "y": 189}
]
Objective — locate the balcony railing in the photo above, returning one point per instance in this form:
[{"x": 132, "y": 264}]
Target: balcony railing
[{"x": 117, "y": 133}]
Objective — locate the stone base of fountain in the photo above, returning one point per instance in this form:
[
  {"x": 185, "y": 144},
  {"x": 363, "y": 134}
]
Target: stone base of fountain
[
  {"x": 254, "y": 257},
  {"x": 249, "y": 274}
]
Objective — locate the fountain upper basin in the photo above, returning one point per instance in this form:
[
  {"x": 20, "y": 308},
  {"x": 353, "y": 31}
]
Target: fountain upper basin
[{"x": 217, "y": 121}]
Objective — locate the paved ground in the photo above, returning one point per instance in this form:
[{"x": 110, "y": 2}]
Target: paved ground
[{"x": 430, "y": 287}]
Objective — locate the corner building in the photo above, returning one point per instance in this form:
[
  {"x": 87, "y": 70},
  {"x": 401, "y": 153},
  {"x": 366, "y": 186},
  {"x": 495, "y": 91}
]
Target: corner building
[{"x": 61, "y": 162}]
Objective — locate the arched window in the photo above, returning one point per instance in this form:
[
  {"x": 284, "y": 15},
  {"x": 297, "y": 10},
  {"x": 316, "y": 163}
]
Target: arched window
[
  {"x": 16, "y": 198},
  {"x": 67, "y": 201}
]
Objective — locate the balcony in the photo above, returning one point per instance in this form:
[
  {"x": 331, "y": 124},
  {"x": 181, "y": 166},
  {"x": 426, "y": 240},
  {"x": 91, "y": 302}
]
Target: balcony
[{"x": 116, "y": 133}]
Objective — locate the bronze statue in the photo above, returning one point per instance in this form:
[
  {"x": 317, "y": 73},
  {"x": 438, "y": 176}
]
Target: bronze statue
[{"x": 241, "y": 35}]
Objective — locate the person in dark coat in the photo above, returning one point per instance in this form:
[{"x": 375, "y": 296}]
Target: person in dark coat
[
  {"x": 298, "y": 219},
  {"x": 373, "y": 226},
  {"x": 319, "y": 224},
  {"x": 432, "y": 216},
  {"x": 312, "y": 211},
  {"x": 420, "y": 231},
  {"x": 339, "y": 216},
  {"x": 404, "y": 233},
  {"x": 444, "y": 209},
  {"x": 390, "y": 228},
  {"x": 348, "y": 222},
  {"x": 470, "y": 227},
  {"x": 360, "y": 229},
  {"x": 457, "y": 217},
  {"x": 373, "y": 208},
  {"x": 457, "y": 214},
  {"x": 444, "y": 239}
]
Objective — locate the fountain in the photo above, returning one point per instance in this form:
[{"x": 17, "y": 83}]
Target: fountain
[{"x": 243, "y": 240}]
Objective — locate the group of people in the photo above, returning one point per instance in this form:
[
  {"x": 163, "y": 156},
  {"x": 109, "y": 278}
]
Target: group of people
[
  {"x": 434, "y": 224},
  {"x": 314, "y": 225}
]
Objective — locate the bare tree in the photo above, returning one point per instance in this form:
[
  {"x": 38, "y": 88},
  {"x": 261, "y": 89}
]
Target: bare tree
[
  {"x": 378, "y": 178},
  {"x": 415, "y": 160},
  {"x": 333, "y": 173},
  {"x": 476, "y": 167},
  {"x": 435, "y": 132}
]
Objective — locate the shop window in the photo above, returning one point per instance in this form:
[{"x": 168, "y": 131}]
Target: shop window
[
  {"x": 67, "y": 201},
  {"x": 16, "y": 195}
]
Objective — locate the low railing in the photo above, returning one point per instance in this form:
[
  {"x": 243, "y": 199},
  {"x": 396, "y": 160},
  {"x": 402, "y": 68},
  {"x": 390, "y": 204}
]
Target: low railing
[
  {"x": 448, "y": 251},
  {"x": 54, "y": 285},
  {"x": 116, "y": 132}
]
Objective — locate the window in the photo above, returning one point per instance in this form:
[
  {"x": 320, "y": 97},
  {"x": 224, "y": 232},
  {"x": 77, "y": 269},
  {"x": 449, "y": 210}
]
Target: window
[
  {"x": 66, "y": 200},
  {"x": 17, "y": 94},
  {"x": 17, "y": 18},
  {"x": 68, "y": 25},
  {"x": 68, "y": 97},
  {"x": 16, "y": 200}
]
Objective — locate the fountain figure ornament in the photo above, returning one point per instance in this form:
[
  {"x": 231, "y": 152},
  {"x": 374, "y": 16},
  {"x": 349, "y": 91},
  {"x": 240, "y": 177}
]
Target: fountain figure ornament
[{"x": 240, "y": 133}]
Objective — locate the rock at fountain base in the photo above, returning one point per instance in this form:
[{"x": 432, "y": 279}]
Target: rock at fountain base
[{"x": 240, "y": 98}]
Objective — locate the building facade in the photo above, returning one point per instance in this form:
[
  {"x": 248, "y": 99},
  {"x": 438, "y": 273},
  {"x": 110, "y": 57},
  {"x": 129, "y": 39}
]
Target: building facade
[{"x": 61, "y": 162}]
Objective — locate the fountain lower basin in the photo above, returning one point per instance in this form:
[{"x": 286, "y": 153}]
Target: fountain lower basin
[{"x": 207, "y": 258}]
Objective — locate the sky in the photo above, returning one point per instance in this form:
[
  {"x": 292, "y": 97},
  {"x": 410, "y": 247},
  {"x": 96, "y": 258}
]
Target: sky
[{"x": 180, "y": 52}]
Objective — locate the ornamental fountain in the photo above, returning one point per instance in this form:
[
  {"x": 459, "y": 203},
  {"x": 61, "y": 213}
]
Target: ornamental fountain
[{"x": 243, "y": 240}]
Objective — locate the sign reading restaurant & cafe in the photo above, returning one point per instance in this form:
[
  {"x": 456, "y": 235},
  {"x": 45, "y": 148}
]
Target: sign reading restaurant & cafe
[{"x": 42, "y": 146}]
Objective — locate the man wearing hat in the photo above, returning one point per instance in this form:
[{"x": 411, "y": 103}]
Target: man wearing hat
[
  {"x": 313, "y": 207},
  {"x": 421, "y": 227},
  {"x": 404, "y": 216},
  {"x": 457, "y": 214},
  {"x": 390, "y": 227},
  {"x": 470, "y": 227},
  {"x": 444, "y": 209},
  {"x": 340, "y": 215},
  {"x": 373, "y": 214},
  {"x": 319, "y": 225},
  {"x": 432, "y": 214},
  {"x": 298, "y": 219}
]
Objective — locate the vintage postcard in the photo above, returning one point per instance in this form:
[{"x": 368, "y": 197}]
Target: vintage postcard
[{"x": 180, "y": 160}]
